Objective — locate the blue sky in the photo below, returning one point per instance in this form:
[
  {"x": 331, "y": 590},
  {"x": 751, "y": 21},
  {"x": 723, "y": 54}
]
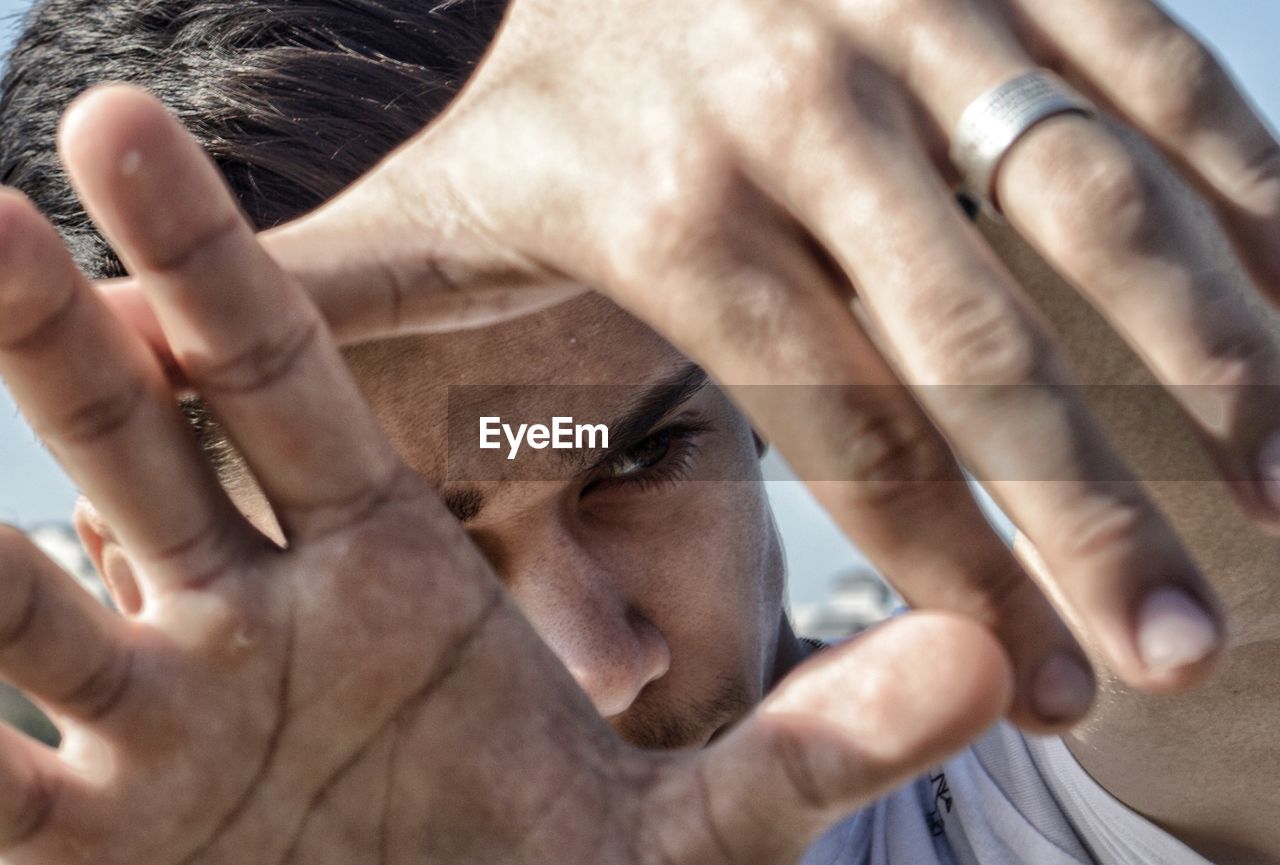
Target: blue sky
[{"x": 1244, "y": 32}]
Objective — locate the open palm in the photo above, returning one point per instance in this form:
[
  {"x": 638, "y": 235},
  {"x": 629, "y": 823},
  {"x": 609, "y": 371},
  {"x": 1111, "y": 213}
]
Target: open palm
[{"x": 367, "y": 691}]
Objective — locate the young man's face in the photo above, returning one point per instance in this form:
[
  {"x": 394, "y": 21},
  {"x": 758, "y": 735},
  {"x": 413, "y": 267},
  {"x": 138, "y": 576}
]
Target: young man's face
[
  {"x": 656, "y": 576},
  {"x": 653, "y": 568}
]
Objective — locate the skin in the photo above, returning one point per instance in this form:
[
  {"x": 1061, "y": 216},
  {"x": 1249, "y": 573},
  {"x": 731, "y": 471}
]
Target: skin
[
  {"x": 1179, "y": 761},
  {"x": 362, "y": 693},
  {"x": 1109, "y": 249},
  {"x": 739, "y": 228},
  {"x": 659, "y": 587},
  {"x": 1192, "y": 763},
  {"x": 737, "y": 209}
]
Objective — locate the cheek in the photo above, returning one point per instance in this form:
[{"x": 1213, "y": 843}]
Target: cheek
[{"x": 718, "y": 572}]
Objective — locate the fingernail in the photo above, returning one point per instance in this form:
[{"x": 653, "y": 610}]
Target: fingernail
[
  {"x": 1062, "y": 689},
  {"x": 1269, "y": 463},
  {"x": 1174, "y": 631}
]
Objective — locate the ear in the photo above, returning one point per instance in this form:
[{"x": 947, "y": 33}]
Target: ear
[{"x": 108, "y": 557}]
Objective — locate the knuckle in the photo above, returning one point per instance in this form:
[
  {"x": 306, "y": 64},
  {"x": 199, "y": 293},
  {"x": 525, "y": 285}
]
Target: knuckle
[
  {"x": 21, "y": 609},
  {"x": 1259, "y": 178},
  {"x": 192, "y": 254},
  {"x": 726, "y": 292},
  {"x": 35, "y": 803},
  {"x": 977, "y": 339},
  {"x": 885, "y": 459},
  {"x": 812, "y": 92},
  {"x": 911, "y": 10},
  {"x": 1112, "y": 198},
  {"x": 100, "y": 416},
  {"x": 1102, "y": 524},
  {"x": 36, "y": 295},
  {"x": 368, "y": 504},
  {"x": 99, "y": 692},
  {"x": 756, "y": 315},
  {"x": 811, "y": 785},
  {"x": 29, "y": 319},
  {"x": 803, "y": 69},
  {"x": 1180, "y": 82},
  {"x": 775, "y": 49},
  {"x": 258, "y": 365},
  {"x": 205, "y": 557},
  {"x": 1105, "y": 200},
  {"x": 1004, "y": 599}
]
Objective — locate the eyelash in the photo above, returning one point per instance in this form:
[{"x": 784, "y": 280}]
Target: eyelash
[{"x": 673, "y": 466}]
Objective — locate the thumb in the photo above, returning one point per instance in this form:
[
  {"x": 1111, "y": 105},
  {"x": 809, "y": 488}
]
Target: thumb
[
  {"x": 845, "y": 728},
  {"x": 397, "y": 252},
  {"x": 393, "y": 254},
  {"x": 373, "y": 279}
]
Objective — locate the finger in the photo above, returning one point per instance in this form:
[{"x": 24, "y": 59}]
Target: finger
[
  {"x": 1159, "y": 268},
  {"x": 988, "y": 374},
  {"x": 58, "y": 644},
  {"x": 108, "y": 558},
  {"x": 761, "y": 314},
  {"x": 245, "y": 335},
  {"x": 30, "y": 779},
  {"x": 1123, "y": 233},
  {"x": 124, "y": 296},
  {"x": 841, "y": 731},
  {"x": 375, "y": 274},
  {"x": 363, "y": 294},
  {"x": 418, "y": 269},
  {"x": 1153, "y": 72},
  {"x": 97, "y": 398}
]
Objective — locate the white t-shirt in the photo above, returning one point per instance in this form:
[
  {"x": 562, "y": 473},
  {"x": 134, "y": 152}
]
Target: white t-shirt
[{"x": 1008, "y": 799}]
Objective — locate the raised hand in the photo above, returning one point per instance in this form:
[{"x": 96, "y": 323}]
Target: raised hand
[
  {"x": 366, "y": 692},
  {"x": 734, "y": 172}
]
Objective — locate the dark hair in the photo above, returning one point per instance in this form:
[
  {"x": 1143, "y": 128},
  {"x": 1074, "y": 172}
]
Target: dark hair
[{"x": 293, "y": 99}]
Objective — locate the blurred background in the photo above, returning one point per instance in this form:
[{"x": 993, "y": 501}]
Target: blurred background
[{"x": 833, "y": 589}]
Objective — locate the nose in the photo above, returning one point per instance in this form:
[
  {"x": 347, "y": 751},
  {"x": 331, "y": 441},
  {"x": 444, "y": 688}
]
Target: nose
[{"x": 588, "y": 616}]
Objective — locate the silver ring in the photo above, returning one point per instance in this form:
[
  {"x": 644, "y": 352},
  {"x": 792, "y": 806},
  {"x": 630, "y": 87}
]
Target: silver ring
[{"x": 994, "y": 122}]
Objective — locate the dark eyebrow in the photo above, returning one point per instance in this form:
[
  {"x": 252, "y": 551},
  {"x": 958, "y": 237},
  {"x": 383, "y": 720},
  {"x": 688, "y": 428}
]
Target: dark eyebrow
[
  {"x": 632, "y": 425},
  {"x": 638, "y": 419}
]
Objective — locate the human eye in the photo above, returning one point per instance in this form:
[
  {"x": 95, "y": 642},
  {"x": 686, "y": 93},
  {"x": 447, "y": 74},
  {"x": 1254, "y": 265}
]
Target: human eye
[{"x": 665, "y": 456}]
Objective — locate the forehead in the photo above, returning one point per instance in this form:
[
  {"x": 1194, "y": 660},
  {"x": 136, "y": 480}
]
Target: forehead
[{"x": 587, "y": 341}]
